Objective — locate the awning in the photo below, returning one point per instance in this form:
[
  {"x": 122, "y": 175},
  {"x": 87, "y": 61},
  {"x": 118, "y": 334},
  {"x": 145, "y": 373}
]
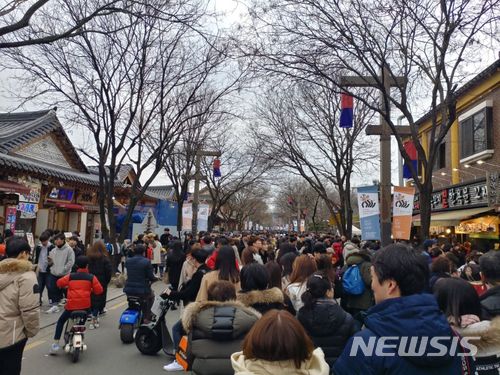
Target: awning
[
  {"x": 451, "y": 218},
  {"x": 14, "y": 187},
  {"x": 71, "y": 206}
]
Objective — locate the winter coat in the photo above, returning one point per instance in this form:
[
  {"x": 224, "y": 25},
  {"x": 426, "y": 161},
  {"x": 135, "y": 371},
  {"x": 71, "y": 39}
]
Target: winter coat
[
  {"x": 189, "y": 290},
  {"x": 207, "y": 280},
  {"x": 19, "y": 302},
  {"x": 81, "y": 285},
  {"x": 416, "y": 315},
  {"x": 216, "y": 330},
  {"x": 156, "y": 253},
  {"x": 295, "y": 291},
  {"x": 349, "y": 248},
  {"x": 365, "y": 300},
  {"x": 63, "y": 259},
  {"x": 263, "y": 300},
  {"x": 139, "y": 276},
  {"x": 314, "y": 366},
  {"x": 485, "y": 335},
  {"x": 38, "y": 250},
  {"x": 329, "y": 327},
  {"x": 174, "y": 266},
  {"x": 100, "y": 268},
  {"x": 490, "y": 303}
]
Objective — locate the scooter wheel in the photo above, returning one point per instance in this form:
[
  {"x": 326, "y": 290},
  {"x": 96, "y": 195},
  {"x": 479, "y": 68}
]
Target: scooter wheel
[
  {"x": 76, "y": 354},
  {"x": 148, "y": 341},
  {"x": 127, "y": 333}
]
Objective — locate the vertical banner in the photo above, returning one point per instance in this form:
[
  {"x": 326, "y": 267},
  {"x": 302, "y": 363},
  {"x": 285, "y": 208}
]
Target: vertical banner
[
  {"x": 295, "y": 226},
  {"x": 402, "y": 210},
  {"x": 10, "y": 218},
  {"x": 369, "y": 212},
  {"x": 302, "y": 225},
  {"x": 410, "y": 149},
  {"x": 203, "y": 212},
  {"x": 187, "y": 217},
  {"x": 346, "y": 111}
]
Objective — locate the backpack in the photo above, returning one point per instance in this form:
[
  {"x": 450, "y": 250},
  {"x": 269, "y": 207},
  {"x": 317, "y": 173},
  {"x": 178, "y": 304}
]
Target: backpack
[{"x": 352, "y": 282}]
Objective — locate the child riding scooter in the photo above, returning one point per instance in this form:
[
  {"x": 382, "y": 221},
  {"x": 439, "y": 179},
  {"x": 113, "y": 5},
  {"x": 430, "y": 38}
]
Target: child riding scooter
[{"x": 81, "y": 285}]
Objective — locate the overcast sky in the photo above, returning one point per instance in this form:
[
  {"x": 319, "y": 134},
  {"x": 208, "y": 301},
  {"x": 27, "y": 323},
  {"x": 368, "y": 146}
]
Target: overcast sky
[{"x": 233, "y": 11}]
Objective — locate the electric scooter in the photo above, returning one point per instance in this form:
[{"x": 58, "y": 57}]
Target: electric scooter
[
  {"x": 152, "y": 337},
  {"x": 131, "y": 319},
  {"x": 74, "y": 334}
]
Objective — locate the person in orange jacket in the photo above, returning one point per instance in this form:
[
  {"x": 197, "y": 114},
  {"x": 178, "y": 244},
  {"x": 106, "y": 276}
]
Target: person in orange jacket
[{"x": 81, "y": 285}]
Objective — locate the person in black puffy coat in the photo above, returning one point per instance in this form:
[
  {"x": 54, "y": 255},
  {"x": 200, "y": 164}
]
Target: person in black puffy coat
[
  {"x": 100, "y": 267},
  {"x": 328, "y": 325}
]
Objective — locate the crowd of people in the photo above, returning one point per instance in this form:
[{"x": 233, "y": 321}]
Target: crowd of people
[{"x": 268, "y": 303}]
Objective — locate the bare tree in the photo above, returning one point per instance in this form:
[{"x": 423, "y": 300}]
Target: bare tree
[
  {"x": 145, "y": 78},
  {"x": 241, "y": 167},
  {"x": 426, "y": 42},
  {"x": 30, "y": 22},
  {"x": 300, "y": 132},
  {"x": 248, "y": 204}
]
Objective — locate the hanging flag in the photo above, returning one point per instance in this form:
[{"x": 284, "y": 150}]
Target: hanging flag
[
  {"x": 346, "y": 110},
  {"x": 369, "y": 212},
  {"x": 217, "y": 168},
  {"x": 411, "y": 150},
  {"x": 402, "y": 210}
]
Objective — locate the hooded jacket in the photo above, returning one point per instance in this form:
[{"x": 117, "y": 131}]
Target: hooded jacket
[
  {"x": 314, "y": 366},
  {"x": 490, "y": 303},
  {"x": 215, "y": 331},
  {"x": 19, "y": 302},
  {"x": 63, "y": 259},
  {"x": 81, "y": 285},
  {"x": 363, "y": 301},
  {"x": 349, "y": 248},
  {"x": 263, "y": 300},
  {"x": 485, "y": 335},
  {"x": 411, "y": 316},
  {"x": 329, "y": 327}
]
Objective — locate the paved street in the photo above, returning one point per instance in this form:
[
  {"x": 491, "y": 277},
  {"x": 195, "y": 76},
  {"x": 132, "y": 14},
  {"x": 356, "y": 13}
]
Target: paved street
[{"x": 105, "y": 355}]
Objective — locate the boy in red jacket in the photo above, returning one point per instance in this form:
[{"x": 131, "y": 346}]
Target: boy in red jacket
[{"x": 81, "y": 285}]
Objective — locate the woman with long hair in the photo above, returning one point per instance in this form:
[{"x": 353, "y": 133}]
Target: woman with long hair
[
  {"x": 460, "y": 303},
  {"x": 225, "y": 269},
  {"x": 286, "y": 263},
  {"x": 100, "y": 267},
  {"x": 303, "y": 267},
  {"x": 175, "y": 259},
  {"x": 328, "y": 325}
]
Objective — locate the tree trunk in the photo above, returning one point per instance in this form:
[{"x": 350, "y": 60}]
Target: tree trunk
[
  {"x": 425, "y": 195},
  {"x": 179, "y": 214}
]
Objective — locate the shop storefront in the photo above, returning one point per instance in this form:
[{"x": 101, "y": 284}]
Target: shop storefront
[{"x": 464, "y": 212}]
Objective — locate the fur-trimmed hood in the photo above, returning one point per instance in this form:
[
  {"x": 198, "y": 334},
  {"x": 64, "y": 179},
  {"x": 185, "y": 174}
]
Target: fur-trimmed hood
[
  {"x": 191, "y": 314},
  {"x": 268, "y": 296},
  {"x": 488, "y": 333},
  {"x": 11, "y": 266}
]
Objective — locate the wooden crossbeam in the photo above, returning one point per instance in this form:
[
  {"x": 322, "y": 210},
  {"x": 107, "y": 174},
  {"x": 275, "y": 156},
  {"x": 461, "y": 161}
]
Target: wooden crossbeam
[
  {"x": 377, "y": 130},
  {"x": 353, "y": 81}
]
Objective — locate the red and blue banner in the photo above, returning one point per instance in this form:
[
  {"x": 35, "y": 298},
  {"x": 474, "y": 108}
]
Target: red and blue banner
[
  {"x": 346, "y": 111},
  {"x": 217, "y": 168},
  {"x": 410, "y": 149}
]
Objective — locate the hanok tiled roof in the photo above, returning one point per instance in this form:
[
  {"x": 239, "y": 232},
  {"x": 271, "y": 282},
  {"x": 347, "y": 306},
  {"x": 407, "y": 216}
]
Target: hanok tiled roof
[
  {"x": 165, "y": 192},
  {"x": 41, "y": 169},
  {"x": 121, "y": 174},
  {"x": 19, "y": 129}
]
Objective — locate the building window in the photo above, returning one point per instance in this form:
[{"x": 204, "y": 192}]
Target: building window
[
  {"x": 475, "y": 132},
  {"x": 440, "y": 161}
]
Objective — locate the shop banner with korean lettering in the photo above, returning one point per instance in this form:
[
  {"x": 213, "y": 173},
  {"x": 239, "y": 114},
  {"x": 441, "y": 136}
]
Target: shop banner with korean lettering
[
  {"x": 402, "y": 209},
  {"x": 369, "y": 212}
]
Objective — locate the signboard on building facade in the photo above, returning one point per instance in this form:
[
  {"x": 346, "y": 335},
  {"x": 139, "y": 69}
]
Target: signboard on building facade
[
  {"x": 457, "y": 197},
  {"x": 35, "y": 187},
  {"x": 28, "y": 210},
  {"x": 10, "y": 218},
  {"x": 493, "y": 185}
]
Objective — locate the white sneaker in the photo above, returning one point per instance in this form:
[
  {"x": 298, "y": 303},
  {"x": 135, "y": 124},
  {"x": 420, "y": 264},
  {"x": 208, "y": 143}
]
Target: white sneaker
[
  {"x": 174, "y": 366},
  {"x": 53, "y": 310},
  {"x": 91, "y": 326},
  {"x": 54, "y": 348},
  {"x": 62, "y": 302}
]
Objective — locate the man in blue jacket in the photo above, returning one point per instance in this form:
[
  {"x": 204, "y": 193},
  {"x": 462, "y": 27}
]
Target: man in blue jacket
[
  {"x": 403, "y": 317},
  {"x": 139, "y": 278}
]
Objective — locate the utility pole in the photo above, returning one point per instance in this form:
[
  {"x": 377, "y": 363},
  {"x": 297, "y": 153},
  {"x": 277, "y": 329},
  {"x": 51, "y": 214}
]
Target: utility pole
[
  {"x": 196, "y": 194},
  {"x": 384, "y": 131}
]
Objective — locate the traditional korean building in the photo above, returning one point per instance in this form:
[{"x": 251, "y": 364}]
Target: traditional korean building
[{"x": 43, "y": 181}]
